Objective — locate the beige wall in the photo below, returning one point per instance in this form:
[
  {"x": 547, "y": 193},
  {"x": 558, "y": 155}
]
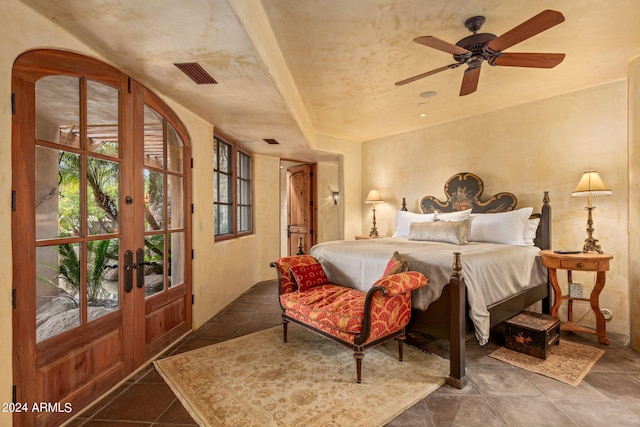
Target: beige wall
[
  {"x": 527, "y": 149},
  {"x": 350, "y": 167},
  {"x": 634, "y": 207}
]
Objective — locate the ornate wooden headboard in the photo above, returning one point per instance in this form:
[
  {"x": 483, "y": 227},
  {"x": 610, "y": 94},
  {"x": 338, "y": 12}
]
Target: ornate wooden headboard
[{"x": 463, "y": 191}]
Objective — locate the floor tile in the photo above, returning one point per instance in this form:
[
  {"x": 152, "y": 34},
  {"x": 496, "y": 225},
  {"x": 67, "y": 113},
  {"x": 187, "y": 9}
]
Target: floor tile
[{"x": 496, "y": 394}]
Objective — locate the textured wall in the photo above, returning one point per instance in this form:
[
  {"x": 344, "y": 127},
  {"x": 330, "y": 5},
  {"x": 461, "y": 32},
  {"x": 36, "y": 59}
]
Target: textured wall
[
  {"x": 634, "y": 208},
  {"x": 544, "y": 145}
]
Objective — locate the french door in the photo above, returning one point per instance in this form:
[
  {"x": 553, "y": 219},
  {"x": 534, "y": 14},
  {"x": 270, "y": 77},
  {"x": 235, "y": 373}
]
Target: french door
[{"x": 100, "y": 231}]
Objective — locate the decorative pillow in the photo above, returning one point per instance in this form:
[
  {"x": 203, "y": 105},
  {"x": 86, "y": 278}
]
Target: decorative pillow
[
  {"x": 397, "y": 264},
  {"x": 506, "y": 228},
  {"x": 308, "y": 276},
  {"x": 404, "y": 220},
  {"x": 440, "y": 231},
  {"x": 530, "y": 229},
  {"x": 452, "y": 216}
]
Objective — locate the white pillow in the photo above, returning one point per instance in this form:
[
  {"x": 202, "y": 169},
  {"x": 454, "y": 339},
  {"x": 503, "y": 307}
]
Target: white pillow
[
  {"x": 452, "y": 216},
  {"x": 506, "y": 228},
  {"x": 440, "y": 231},
  {"x": 404, "y": 220},
  {"x": 530, "y": 229}
]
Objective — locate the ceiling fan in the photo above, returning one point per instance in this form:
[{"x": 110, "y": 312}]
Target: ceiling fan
[{"x": 476, "y": 48}]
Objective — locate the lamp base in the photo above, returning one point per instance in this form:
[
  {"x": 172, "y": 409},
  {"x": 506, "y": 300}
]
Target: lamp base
[
  {"x": 374, "y": 230},
  {"x": 591, "y": 243}
]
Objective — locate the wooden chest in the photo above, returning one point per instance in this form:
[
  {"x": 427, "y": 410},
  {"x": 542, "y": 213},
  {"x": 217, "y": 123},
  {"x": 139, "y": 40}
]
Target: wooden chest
[{"x": 532, "y": 333}]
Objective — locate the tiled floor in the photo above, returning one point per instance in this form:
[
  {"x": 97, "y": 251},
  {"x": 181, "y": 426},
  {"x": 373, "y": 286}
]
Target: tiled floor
[{"x": 497, "y": 394}]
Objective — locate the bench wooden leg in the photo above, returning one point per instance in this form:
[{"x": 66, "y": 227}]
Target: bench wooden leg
[
  {"x": 285, "y": 323},
  {"x": 358, "y": 354},
  {"x": 400, "y": 340}
]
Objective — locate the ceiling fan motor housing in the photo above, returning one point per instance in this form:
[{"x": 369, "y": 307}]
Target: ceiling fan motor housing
[{"x": 475, "y": 44}]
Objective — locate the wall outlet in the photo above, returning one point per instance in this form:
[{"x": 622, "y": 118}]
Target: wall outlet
[{"x": 608, "y": 315}]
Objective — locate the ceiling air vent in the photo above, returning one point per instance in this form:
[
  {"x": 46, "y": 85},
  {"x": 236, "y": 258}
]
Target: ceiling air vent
[
  {"x": 271, "y": 141},
  {"x": 196, "y": 73}
]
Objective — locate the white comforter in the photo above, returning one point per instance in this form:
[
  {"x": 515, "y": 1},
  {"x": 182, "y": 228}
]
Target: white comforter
[{"x": 492, "y": 272}]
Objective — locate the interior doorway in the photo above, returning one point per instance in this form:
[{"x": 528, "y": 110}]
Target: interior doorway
[{"x": 328, "y": 204}]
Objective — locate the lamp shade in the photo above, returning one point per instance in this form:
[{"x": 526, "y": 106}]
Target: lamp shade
[
  {"x": 374, "y": 197},
  {"x": 591, "y": 185}
]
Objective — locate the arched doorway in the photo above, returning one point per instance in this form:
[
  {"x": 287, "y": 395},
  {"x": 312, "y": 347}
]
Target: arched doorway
[{"x": 101, "y": 230}]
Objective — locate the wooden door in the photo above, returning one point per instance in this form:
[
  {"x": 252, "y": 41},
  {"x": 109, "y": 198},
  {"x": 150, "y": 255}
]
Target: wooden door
[
  {"x": 300, "y": 208},
  {"x": 82, "y": 320}
]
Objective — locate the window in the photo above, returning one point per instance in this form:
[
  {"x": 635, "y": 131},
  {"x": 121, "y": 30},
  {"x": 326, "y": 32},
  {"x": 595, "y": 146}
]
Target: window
[{"x": 232, "y": 201}]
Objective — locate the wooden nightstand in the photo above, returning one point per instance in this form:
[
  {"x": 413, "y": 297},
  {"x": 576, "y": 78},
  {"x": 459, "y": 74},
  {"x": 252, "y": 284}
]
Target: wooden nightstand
[{"x": 598, "y": 263}]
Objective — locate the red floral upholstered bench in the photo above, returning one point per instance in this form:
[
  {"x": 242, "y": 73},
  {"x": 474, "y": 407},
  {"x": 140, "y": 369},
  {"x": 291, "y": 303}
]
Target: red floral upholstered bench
[{"x": 351, "y": 317}]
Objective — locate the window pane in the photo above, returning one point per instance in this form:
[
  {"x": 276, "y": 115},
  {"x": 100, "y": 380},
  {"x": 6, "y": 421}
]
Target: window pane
[
  {"x": 216, "y": 220},
  {"x": 244, "y": 165},
  {"x": 57, "y": 193},
  {"x": 244, "y": 218},
  {"x": 225, "y": 189},
  {"x": 244, "y": 192},
  {"x": 223, "y": 151},
  {"x": 224, "y": 215},
  {"x": 103, "y": 286},
  {"x": 57, "y": 289},
  {"x": 176, "y": 259},
  {"x": 153, "y": 200},
  {"x": 154, "y": 273},
  {"x": 176, "y": 201},
  {"x": 216, "y": 190},
  {"x": 58, "y": 110},
  {"x": 102, "y": 118},
  {"x": 153, "y": 138},
  {"x": 102, "y": 196},
  {"x": 175, "y": 150}
]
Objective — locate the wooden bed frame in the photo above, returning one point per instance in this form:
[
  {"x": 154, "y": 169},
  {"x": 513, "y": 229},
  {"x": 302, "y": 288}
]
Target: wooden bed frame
[{"x": 463, "y": 191}]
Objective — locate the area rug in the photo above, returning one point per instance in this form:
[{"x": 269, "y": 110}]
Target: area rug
[
  {"x": 258, "y": 380},
  {"x": 568, "y": 362}
]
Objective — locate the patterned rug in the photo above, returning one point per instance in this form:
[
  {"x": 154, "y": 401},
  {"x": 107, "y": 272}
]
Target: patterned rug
[
  {"x": 258, "y": 380},
  {"x": 568, "y": 362}
]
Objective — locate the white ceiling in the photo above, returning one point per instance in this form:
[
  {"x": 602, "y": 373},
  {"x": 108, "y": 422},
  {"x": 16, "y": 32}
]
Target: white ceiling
[{"x": 292, "y": 69}]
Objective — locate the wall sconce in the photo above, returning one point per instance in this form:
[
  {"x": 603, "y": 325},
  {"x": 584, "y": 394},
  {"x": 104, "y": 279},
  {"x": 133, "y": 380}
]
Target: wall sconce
[
  {"x": 374, "y": 198},
  {"x": 335, "y": 196},
  {"x": 591, "y": 185}
]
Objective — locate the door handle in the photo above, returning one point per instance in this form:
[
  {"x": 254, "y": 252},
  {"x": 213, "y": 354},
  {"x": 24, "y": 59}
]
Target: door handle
[
  {"x": 288, "y": 231},
  {"x": 139, "y": 266},
  {"x": 128, "y": 271},
  {"x": 129, "y": 266}
]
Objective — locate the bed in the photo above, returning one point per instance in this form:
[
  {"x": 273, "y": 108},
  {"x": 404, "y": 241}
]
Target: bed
[{"x": 482, "y": 269}]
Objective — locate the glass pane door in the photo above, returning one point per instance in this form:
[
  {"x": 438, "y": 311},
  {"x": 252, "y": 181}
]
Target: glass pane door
[
  {"x": 164, "y": 204},
  {"x": 77, "y": 177}
]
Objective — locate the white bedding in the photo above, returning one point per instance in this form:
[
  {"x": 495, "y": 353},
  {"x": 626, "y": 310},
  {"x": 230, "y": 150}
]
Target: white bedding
[{"x": 492, "y": 272}]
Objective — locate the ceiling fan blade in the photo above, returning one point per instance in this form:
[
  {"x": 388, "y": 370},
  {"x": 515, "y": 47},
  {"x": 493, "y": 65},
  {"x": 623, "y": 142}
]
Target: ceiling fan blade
[
  {"x": 442, "y": 45},
  {"x": 428, "y": 73},
  {"x": 534, "y": 60},
  {"x": 470, "y": 81},
  {"x": 539, "y": 23}
]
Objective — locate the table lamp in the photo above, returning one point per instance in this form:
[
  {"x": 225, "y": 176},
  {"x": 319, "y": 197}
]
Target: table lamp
[
  {"x": 374, "y": 198},
  {"x": 591, "y": 185}
]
